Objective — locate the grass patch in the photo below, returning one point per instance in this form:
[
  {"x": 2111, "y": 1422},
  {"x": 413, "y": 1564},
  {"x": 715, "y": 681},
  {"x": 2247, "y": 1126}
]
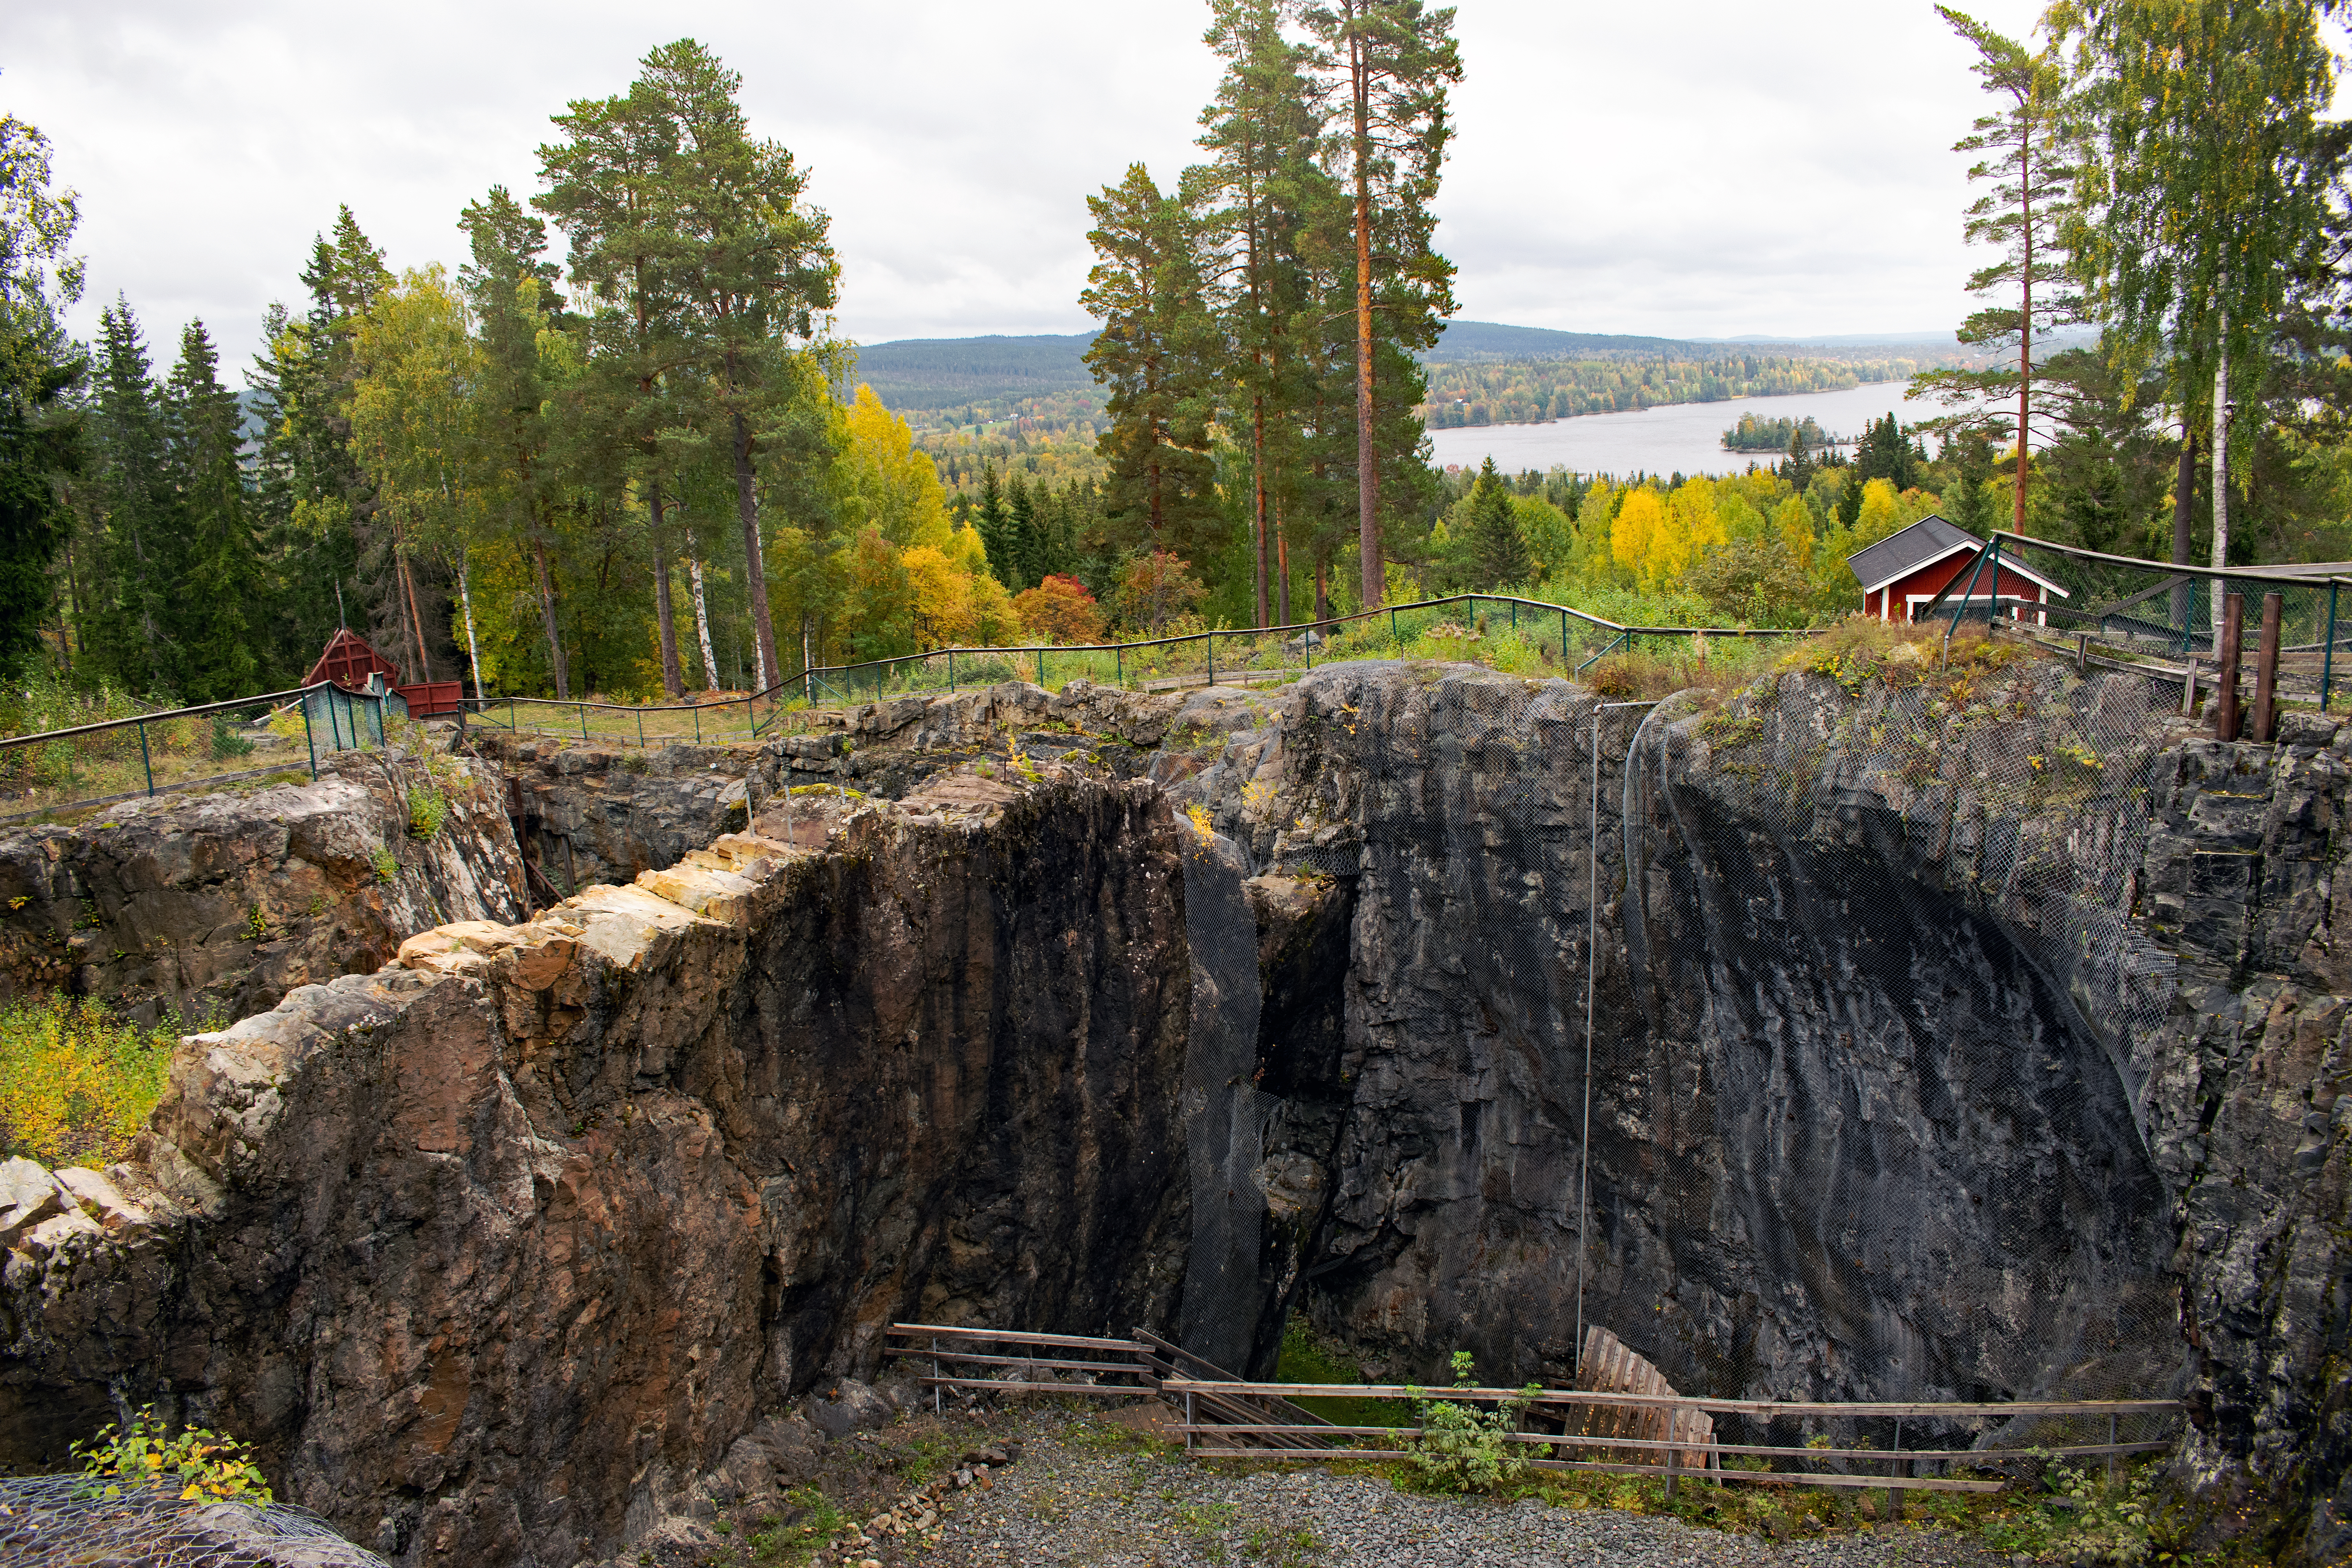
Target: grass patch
[
  {"x": 76, "y": 1082},
  {"x": 1306, "y": 1357}
]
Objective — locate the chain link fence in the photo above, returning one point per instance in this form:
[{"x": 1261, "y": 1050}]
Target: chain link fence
[
  {"x": 1865, "y": 926},
  {"x": 58, "y": 1521}
]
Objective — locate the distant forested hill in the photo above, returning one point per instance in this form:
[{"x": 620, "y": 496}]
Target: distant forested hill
[
  {"x": 916, "y": 375},
  {"x": 1478, "y": 343}
]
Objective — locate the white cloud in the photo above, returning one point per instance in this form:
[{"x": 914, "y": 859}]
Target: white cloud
[{"x": 1704, "y": 167}]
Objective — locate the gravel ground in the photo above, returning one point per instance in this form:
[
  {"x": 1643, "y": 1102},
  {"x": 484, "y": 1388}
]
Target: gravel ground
[{"x": 1090, "y": 1493}]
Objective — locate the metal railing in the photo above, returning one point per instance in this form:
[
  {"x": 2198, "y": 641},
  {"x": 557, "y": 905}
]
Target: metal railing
[
  {"x": 143, "y": 755},
  {"x": 2161, "y": 617},
  {"x": 1246, "y": 654}
]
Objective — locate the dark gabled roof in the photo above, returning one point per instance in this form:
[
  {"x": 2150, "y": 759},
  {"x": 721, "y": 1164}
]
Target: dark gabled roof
[{"x": 1904, "y": 552}]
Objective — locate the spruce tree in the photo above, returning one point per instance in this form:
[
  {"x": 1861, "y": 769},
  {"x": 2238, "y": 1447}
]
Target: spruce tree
[
  {"x": 133, "y": 517},
  {"x": 1497, "y": 549},
  {"x": 215, "y": 559}
]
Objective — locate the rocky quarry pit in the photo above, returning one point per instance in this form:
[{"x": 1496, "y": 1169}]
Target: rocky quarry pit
[{"x": 1944, "y": 1047}]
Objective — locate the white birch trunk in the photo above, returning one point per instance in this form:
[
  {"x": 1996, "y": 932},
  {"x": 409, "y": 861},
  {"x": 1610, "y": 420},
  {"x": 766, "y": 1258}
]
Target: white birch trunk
[
  {"x": 473, "y": 653},
  {"x": 702, "y": 625},
  {"x": 2221, "y": 469}
]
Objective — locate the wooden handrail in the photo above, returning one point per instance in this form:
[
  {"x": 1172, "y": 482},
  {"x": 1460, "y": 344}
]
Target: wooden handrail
[{"x": 1765, "y": 1409}]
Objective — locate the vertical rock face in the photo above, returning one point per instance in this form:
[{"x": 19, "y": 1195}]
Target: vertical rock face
[
  {"x": 1938, "y": 1051},
  {"x": 486, "y": 1247},
  {"x": 215, "y": 907}
]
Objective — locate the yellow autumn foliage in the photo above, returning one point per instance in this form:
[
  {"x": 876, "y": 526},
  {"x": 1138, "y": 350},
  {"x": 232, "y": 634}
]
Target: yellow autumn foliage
[
  {"x": 899, "y": 487},
  {"x": 76, "y": 1082}
]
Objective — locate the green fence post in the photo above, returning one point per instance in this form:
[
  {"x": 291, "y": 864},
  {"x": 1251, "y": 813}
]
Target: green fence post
[
  {"x": 583, "y": 721},
  {"x": 144, "y": 761},
  {"x": 1394, "y": 643},
  {"x": 641, "y": 729},
  {"x": 1041, "y": 667},
  {"x": 382, "y": 742},
  {"x": 1514, "y": 614},
  {"x": 308, "y": 739},
  {"x": 1212, "y": 640},
  {"x": 695, "y": 709},
  {"x": 1563, "y": 637},
  {"x": 2328, "y": 660},
  {"x": 1118, "y": 666},
  {"x": 951, "y": 673}
]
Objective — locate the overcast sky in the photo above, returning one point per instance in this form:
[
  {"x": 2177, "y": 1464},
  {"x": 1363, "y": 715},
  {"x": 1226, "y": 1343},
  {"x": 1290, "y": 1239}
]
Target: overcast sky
[{"x": 1703, "y": 167}]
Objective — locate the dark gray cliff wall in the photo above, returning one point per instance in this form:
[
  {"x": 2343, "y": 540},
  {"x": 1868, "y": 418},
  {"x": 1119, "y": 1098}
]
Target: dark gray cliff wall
[{"x": 1944, "y": 1047}]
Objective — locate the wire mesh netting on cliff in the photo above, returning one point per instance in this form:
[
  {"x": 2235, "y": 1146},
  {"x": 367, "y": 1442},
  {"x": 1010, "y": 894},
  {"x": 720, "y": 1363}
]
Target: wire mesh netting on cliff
[
  {"x": 1910, "y": 889},
  {"x": 1870, "y": 1029},
  {"x": 49, "y": 1522}
]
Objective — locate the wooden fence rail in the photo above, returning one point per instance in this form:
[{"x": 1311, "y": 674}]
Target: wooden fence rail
[{"x": 1227, "y": 1417}]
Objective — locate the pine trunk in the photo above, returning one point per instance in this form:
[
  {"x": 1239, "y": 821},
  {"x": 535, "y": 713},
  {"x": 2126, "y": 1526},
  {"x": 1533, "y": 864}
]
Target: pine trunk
[
  {"x": 547, "y": 620},
  {"x": 1367, "y": 478},
  {"x": 673, "y": 680},
  {"x": 1258, "y": 462},
  {"x": 747, "y": 505},
  {"x": 2024, "y": 326}
]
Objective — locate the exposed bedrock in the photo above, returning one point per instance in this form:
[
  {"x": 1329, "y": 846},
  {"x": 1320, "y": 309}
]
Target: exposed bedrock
[
  {"x": 1937, "y": 1052},
  {"x": 488, "y": 1247},
  {"x": 216, "y": 906}
]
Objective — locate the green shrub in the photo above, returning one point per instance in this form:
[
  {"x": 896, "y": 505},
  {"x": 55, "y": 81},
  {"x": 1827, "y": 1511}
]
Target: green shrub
[
  {"x": 386, "y": 866},
  {"x": 428, "y": 809},
  {"x": 1462, "y": 1449},
  {"x": 201, "y": 1465}
]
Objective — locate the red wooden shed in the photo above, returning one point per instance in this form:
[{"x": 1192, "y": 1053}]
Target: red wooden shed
[
  {"x": 350, "y": 661},
  {"x": 1905, "y": 570}
]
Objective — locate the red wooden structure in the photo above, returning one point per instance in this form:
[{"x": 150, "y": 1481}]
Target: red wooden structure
[
  {"x": 1911, "y": 566},
  {"x": 350, "y": 661}
]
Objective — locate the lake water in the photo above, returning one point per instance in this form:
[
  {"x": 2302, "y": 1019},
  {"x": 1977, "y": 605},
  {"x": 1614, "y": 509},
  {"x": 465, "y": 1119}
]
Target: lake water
[{"x": 1680, "y": 437}]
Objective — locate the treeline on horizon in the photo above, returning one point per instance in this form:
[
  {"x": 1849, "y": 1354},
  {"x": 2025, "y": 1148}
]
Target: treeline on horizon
[
  {"x": 647, "y": 468},
  {"x": 1529, "y": 391}
]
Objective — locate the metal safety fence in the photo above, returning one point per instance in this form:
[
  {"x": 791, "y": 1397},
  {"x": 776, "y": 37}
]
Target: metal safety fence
[
  {"x": 2167, "y": 620},
  {"x": 277, "y": 736},
  {"x": 1489, "y": 628}
]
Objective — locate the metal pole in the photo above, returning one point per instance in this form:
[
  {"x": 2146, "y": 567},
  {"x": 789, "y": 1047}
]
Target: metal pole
[
  {"x": 1212, "y": 640},
  {"x": 641, "y": 729},
  {"x": 2111, "y": 1443},
  {"x": 1673, "y": 1454},
  {"x": 310, "y": 739},
  {"x": 583, "y": 723},
  {"x": 696, "y": 709},
  {"x": 146, "y": 762},
  {"x": 1591, "y": 965},
  {"x": 951, "y": 672},
  {"x": 2328, "y": 660},
  {"x": 2225, "y": 686},
  {"x": 1041, "y": 667},
  {"x": 1563, "y": 637},
  {"x": 1119, "y": 665},
  {"x": 935, "y": 1374},
  {"x": 1895, "y": 1494},
  {"x": 1393, "y": 631},
  {"x": 2266, "y": 658}
]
